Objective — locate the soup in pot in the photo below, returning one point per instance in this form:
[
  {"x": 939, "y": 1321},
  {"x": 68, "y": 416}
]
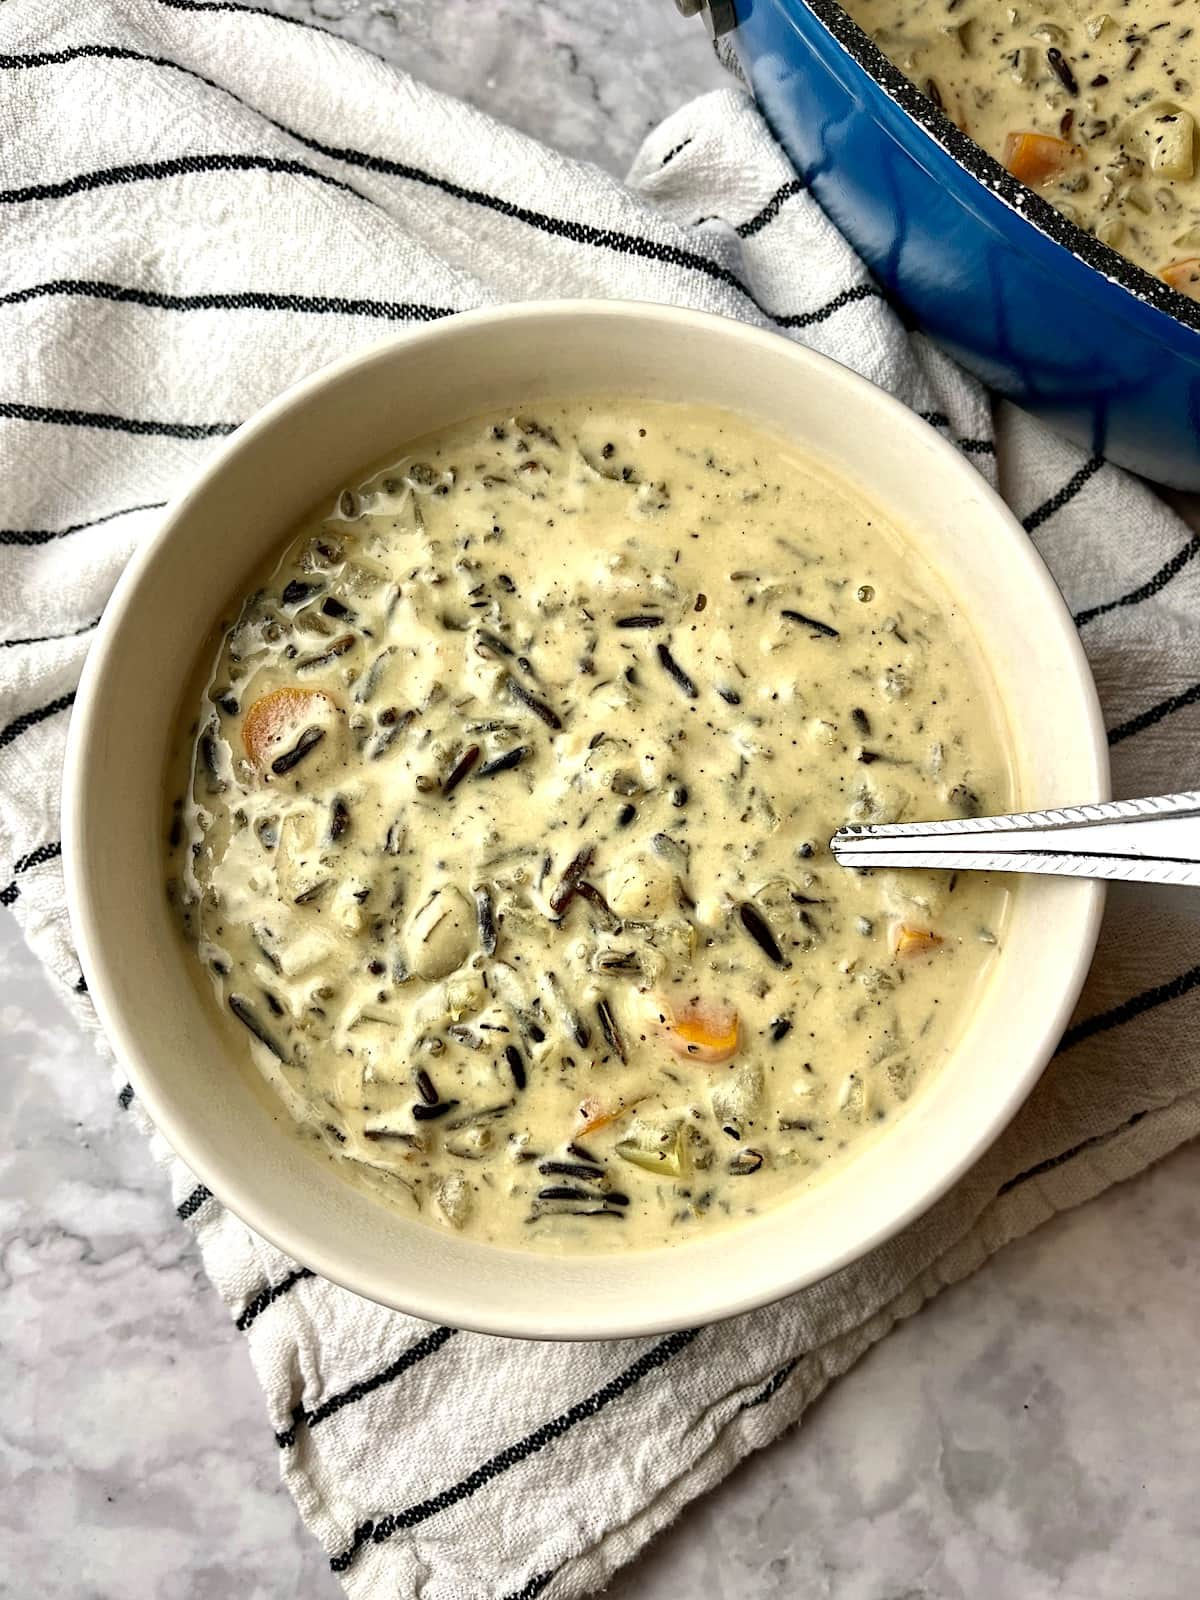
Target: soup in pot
[{"x": 1091, "y": 105}]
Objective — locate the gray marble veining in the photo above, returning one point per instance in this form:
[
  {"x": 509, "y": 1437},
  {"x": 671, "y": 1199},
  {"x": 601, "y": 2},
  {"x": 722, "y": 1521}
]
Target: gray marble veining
[
  {"x": 1029, "y": 1436},
  {"x": 590, "y": 77}
]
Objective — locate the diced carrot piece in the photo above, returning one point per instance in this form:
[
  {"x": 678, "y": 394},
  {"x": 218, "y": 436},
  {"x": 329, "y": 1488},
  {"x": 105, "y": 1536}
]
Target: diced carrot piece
[
  {"x": 595, "y": 1118},
  {"x": 275, "y": 716},
  {"x": 702, "y": 1032},
  {"x": 908, "y": 941},
  {"x": 1183, "y": 275},
  {"x": 1037, "y": 157}
]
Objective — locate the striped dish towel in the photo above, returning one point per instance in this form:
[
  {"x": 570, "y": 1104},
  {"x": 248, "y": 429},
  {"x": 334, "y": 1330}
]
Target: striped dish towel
[{"x": 202, "y": 203}]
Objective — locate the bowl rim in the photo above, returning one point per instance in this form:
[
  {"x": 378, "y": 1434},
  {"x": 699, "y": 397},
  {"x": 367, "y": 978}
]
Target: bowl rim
[
  {"x": 446, "y": 1303},
  {"x": 1143, "y": 289}
]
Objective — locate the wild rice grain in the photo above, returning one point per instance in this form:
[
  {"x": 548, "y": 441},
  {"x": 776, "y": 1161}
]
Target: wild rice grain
[
  {"x": 244, "y": 1012},
  {"x": 425, "y": 1087},
  {"x": 505, "y": 763},
  {"x": 676, "y": 672},
  {"x": 516, "y": 1065},
  {"x": 460, "y": 769},
  {"x": 760, "y": 931},
  {"x": 308, "y": 740},
  {"x": 608, "y": 1026},
  {"x": 825, "y": 629},
  {"x": 485, "y": 918},
  {"x": 427, "y": 1113}
]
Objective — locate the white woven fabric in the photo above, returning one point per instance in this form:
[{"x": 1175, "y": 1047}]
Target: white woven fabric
[{"x": 201, "y": 203}]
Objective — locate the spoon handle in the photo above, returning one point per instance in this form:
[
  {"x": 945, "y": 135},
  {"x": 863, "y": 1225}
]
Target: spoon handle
[{"x": 1156, "y": 840}]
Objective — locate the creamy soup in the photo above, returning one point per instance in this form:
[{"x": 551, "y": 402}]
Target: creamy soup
[
  {"x": 502, "y": 813},
  {"x": 1092, "y": 105}
]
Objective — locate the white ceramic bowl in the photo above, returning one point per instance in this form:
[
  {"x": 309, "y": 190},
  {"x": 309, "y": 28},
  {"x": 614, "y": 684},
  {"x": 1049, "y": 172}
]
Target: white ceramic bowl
[{"x": 316, "y": 437}]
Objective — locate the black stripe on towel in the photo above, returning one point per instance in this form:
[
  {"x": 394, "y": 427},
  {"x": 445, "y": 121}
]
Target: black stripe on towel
[
  {"x": 83, "y": 52},
  {"x": 671, "y": 154},
  {"x": 848, "y": 297},
  {"x": 772, "y": 1387},
  {"x": 1147, "y": 590},
  {"x": 615, "y": 239},
  {"x": 173, "y": 167},
  {"x": 31, "y": 536},
  {"x": 125, "y": 1098},
  {"x": 1136, "y": 1006},
  {"x": 969, "y": 447},
  {"x": 268, "y": 1296},
  {"x": 577, "y": 232},
  {"x": 747, "y": 230},
  {"x": 1063, "y": 496},
  {"x": 1057, "y": 1161},
  {"x": 233, "y": 300},
  {"x": 1152, "y": 714},
  {"x": 50, "y": 638},
  {"x": 358, "y": 1391},
  {"x": 534, "y": 1587},
  {"x": 19, "y": 411},
  {"x": 379, "y": 1532},
  {"x": 194, "y": 1201},
  {"x": 35, "y": 858},
  {"x": 31, "y": 719}
]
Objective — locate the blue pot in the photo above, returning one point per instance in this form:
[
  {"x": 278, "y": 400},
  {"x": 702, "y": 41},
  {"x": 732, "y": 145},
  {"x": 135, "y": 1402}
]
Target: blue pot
[{"x": 1041, "y": 311}]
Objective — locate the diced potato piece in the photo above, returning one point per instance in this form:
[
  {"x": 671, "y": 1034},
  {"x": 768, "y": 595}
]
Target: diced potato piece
[
  {"x": 452, "y": 1196},
  {"x": 641, "y": 887},
  {"x": 1183, "y": 275},
  {"x": 735, "y": 1098},
  {"x": 304, "y": 953},
  {"x": 674, "y": 943},
  {"x": 1170, "y": 135},
  {"x": 471, "y": 1143},
  {"x": 442, "y": 933},
  {"x": 465, "y": 995},
  {"x": 852, "y": 1097},
  {"x": 345, "y": 907},
  {"x": 1023, "y": 63},
  {"x": 301, "y": 873},
  {"x": 1037, "y": 158},
  {"x": 909, "y": 941}
]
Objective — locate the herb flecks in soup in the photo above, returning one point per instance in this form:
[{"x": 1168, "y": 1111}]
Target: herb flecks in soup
[
  {"x": 503, "y": 822},
  {"x": 1093, "y": 106}
]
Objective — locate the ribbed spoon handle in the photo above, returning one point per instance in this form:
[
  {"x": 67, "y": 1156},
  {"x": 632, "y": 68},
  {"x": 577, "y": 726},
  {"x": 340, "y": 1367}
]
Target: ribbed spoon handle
[{"x": 1155, "y": 840}]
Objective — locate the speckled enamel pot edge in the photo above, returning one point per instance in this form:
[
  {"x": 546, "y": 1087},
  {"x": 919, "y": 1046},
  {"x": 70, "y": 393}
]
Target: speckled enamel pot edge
[
  {"x": 1142, "y": 293},
  {"x": 307, "y": 1212}
]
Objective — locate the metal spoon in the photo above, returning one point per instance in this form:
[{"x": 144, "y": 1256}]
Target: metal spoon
[{"x": 1156, "y": 840}]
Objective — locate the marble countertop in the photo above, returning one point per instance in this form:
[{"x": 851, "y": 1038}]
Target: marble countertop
[{"x": 1029, "y": 1435}]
